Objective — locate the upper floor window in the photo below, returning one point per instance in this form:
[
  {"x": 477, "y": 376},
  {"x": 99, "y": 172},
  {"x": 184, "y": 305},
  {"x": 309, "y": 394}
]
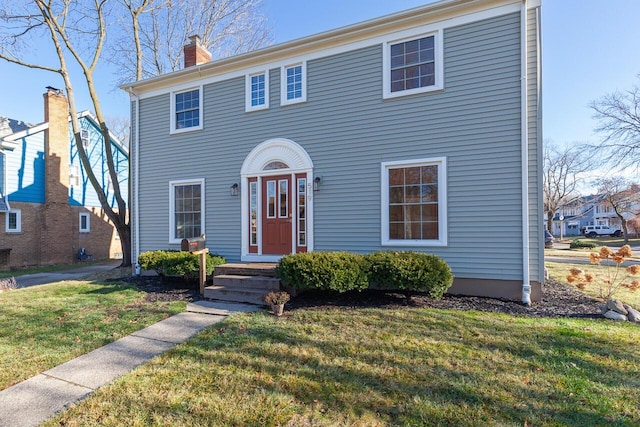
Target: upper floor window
[
  {"x": 14, "y": 221},
  {"x": 413, "y": 66},
  {"x": 414, "y": 203},
  {"x": 186, "y": 110},
  {"x": 257, "y": 91},
  {"x": 293, "y": 84}
]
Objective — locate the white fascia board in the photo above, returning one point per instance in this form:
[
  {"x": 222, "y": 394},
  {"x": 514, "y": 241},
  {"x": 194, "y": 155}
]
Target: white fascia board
[
  {"x": 423, "y": 19},
  {"x": 29, "y": 131}
]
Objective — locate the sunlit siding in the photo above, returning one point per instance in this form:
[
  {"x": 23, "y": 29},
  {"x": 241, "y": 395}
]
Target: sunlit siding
[{"x": 348, "y": 129}]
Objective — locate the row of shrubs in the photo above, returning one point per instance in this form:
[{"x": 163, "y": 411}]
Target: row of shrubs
[
  {"x": 581, "y": 244},
  {"x": 344, "y": 271},
  {"x": 177, "y": 263}
]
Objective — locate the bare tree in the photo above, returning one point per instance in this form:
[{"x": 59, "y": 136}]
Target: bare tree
[
  {"x": 163, "y": 27},
  {"x": 77, "y": 34},
  {"x": 618, "y": 114},
  {"x": 153, "y": 32},
  {"x": 120, "y": 127},
  {"x": 562, "y": 175},
  {"x": 623, "y": 196}
]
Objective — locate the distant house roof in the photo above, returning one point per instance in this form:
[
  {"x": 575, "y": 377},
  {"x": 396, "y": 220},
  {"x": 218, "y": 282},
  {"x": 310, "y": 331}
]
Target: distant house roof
[{"x": 9, "y": 126}]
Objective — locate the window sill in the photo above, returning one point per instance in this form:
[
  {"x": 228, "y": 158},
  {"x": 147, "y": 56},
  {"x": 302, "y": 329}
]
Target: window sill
[
  {"x": 184, "y": 130},
  {"x": 414, "y": 243}
]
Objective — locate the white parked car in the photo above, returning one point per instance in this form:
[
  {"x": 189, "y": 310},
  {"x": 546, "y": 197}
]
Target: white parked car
[{"x": 601, "y": 230}]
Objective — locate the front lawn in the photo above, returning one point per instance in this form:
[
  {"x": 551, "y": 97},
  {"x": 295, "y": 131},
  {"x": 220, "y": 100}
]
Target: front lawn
[
  {"x": 370, "y": 367},
  {"x": 44, "y": 326}
]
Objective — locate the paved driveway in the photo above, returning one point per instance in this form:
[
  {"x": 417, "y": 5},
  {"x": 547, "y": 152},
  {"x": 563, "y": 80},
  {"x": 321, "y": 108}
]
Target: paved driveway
[{"x": 71, "y": 274}]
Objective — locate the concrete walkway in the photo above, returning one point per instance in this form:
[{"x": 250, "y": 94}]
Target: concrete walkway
[
  {"x": 69, "y": 274},
  {"x": 37, "y": 399}
]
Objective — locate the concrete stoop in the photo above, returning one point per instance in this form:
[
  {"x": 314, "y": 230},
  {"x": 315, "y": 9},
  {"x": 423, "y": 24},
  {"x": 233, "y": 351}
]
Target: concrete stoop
[{"x": 244, "y": 283}]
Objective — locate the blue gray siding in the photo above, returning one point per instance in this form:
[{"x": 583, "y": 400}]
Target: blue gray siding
[{"x": 348, "y": 129}]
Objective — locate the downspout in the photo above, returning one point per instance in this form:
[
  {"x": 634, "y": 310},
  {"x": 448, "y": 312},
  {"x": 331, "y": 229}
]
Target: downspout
[
  {"x": 135, "y": 231},
  {"x": 524, "y": 112}
]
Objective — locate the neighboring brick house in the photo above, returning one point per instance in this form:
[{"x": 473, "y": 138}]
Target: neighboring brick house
[
  {"x": 418, "y": 131},
  {"x": 48, "y": 208}
]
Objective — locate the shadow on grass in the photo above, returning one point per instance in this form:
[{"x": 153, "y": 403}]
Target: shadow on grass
[{"x": 409, "y": 367}]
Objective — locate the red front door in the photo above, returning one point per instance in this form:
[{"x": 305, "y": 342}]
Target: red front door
[{"x": 276, "y": 215}]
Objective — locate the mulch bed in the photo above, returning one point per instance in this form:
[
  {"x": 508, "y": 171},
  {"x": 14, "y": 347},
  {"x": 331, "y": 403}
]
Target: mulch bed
[{"x": 559, "y": 300}]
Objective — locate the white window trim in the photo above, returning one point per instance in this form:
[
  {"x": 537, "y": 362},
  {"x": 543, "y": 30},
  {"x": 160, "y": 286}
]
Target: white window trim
[
  {"x": 441, "y": 162},
  {"x": 248, "y": 106},
  {"x": 173, "y": 129},
  {"x": 283, "y": 84},
  {"x": 172, "y": 205},
  {"x": 87, "y": 229},
  {"x": 18, "y": 228},
  {"x": 386, "y": 65}
]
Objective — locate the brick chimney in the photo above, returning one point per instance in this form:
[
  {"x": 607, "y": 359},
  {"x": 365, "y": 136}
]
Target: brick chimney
[
  {"x": 57, "y": 222},
  {"x": 195, "y": 53}
]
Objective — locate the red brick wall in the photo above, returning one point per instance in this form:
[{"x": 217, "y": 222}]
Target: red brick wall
[{"x": 31, "y": 246}]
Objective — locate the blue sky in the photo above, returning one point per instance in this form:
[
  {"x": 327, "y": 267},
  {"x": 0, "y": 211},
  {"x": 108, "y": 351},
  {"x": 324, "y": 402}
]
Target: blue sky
[{"x": 589, "y": 49}]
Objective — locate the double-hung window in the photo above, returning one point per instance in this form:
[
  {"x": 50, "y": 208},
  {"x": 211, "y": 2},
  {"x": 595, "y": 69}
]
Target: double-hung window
[
  {"x": 186, "y": 110},
  {"x": 13, "y": 221},
  {"x": 293, "y": 84},
  {"x": 413, "y": 65},
  {"x": 257, "y": 91},
  {"x": 414, "y": 203},
  {"x": 186, "y": 206}
]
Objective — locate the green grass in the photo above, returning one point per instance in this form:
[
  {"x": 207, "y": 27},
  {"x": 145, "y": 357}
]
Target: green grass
[
  {"x": 44, "y": 326},
  {"x": 613, "y": 242},
  {"x": 370, "y": 367}
]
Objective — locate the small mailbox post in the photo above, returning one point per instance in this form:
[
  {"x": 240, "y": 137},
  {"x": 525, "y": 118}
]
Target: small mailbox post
[{"x": 196, "y": 245}]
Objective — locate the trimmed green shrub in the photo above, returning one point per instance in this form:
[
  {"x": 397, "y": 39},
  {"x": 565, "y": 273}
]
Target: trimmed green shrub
[
  {"x": 337, "y": 271},
  {"x": 177, "y": 263},
  {"x": 153, "y": 260},
  {"x": 343, "y": 271},
  {"x": 409, "y": 272},
  {"x": 581, "y": 244}
]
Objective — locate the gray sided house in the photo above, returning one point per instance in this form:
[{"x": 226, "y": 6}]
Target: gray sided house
[{"x": 414, "y": 131}]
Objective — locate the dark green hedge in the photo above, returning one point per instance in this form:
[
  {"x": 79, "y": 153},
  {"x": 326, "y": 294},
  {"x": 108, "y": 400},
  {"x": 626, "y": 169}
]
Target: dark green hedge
[
  {"x": 177, "y": 263},
  {"x": 343, "y": 271},
  {"x": 581, "y": 244},
  {"x": 409, "y": 271},
  {"x": 337, "y": 271}
]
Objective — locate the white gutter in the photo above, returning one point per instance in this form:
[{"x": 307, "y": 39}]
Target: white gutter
[
  {"x": 135, "y": 181},
  {"x": 526, "y": 281}
]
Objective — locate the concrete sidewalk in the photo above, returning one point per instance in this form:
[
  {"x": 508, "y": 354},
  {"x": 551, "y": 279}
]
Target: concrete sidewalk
[
  {"x": 75, "y": 273},
  {"x": 37, "y": 399}
]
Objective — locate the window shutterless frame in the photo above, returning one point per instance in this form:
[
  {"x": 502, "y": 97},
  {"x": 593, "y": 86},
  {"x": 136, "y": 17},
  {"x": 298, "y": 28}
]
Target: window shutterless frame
[
  {"x": 257, "y": 91},
  {"x": 186, "y": 209},
  {"x": 13, "y": 221},
  {"x": 413, "y": 202},
  {"x": 293, "y": 83},
  {"x": 186, "y": 110},
  {"x": 84, "y": 222},
  {"x": 413, "y": 65}
]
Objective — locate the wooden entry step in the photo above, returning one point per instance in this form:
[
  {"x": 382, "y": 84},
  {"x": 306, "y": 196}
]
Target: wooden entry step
[{"x": 246, "y": 283}]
